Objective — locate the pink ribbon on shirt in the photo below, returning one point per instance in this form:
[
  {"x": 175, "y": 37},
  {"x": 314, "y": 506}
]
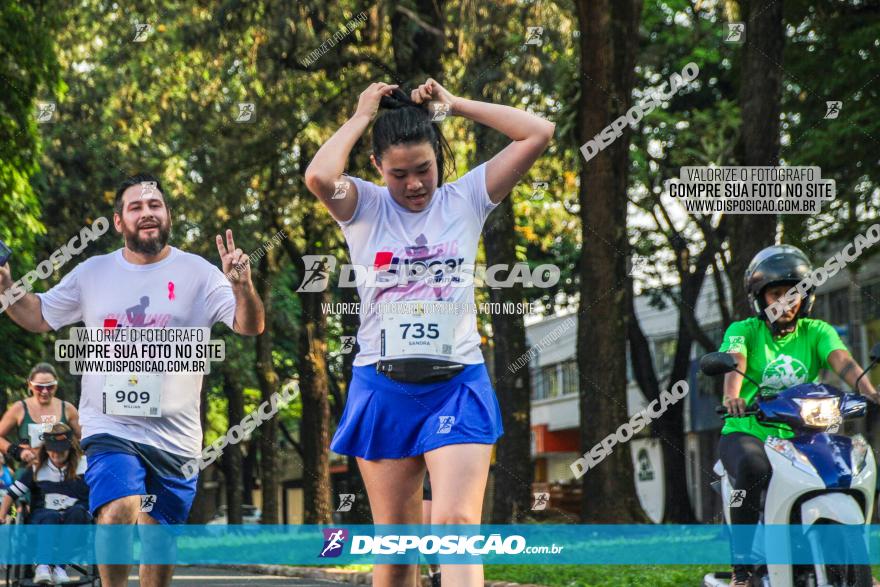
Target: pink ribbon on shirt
[{"x": 170, "y": 290}]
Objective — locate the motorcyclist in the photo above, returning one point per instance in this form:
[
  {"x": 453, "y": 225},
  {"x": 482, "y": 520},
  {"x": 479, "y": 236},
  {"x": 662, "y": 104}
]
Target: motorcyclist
[{"x": 778, "y": 354}]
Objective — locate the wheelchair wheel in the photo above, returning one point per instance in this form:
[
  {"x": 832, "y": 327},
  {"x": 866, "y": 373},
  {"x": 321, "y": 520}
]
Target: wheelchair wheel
[
  {"x": 18, "y": 572},
  {"x": 90, "y": 575}
]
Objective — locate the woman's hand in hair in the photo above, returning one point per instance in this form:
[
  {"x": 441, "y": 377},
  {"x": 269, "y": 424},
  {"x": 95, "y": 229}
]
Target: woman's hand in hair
[
  {"x": 368, "y": 102},
  {"x": 432, "y": 91}
]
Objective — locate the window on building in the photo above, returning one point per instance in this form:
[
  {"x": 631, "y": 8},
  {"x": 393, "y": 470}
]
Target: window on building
[
  {"x": 870, "y": 300},
  {"x": 550, "y": 379},
  {"x": 838, "y": 307},
  {"x": 570, "y": 378},
  {"x": 833, "y": 307},
  {"x": 537, "y": 384},
  {"x": 547, "y": 382},
  {"x": 664, "y": 354},
  {"x": 820, "y": 307}
]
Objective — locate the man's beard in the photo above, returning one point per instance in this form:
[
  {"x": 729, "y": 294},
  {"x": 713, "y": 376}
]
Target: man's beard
[{"x": 148, "y": 246}]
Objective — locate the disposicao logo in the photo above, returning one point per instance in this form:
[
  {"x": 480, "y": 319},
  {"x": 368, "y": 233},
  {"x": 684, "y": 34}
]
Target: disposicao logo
[{"x": 334, "y": 542}]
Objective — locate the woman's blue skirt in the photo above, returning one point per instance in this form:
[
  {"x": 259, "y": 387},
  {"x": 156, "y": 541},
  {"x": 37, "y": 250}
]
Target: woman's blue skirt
[{"x": 387, "y": 419}]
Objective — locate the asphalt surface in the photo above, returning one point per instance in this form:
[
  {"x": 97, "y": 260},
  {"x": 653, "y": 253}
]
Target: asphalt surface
[{"x": 213, "y": 577}]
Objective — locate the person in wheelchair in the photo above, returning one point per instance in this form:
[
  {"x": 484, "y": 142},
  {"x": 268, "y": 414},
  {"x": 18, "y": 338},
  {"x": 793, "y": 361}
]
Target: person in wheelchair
[{"x": 57, "y": 493}]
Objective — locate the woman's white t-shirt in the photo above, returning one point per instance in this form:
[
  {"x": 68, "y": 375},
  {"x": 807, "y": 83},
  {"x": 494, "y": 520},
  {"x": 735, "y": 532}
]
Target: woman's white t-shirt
[{"x": 387, "y": 238}]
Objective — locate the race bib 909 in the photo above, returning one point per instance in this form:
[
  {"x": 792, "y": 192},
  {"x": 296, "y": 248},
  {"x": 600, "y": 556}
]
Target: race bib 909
[{"x": 133, "y": 394}]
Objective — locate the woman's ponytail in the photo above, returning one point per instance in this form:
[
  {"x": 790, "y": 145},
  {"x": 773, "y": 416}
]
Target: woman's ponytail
[{"x": 404, "y": 122}]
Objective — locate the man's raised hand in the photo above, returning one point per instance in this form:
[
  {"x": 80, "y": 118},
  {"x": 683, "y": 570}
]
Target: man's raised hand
[{"x": 236, "y": 265}]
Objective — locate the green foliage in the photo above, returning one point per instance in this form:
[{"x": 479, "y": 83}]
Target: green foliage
[
  {"x": 840, "y": 40},
  {"x": 28, "y": 72},
  {"x": 600, "y": 575},
  {"x": 170, "y": 104}
]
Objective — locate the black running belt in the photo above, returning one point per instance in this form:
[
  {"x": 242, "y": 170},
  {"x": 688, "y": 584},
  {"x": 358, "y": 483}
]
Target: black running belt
[{"x": 419, "y": 370}]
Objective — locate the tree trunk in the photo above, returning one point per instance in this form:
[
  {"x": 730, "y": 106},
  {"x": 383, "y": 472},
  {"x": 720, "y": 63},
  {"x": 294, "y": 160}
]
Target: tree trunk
[
  {"x": 249, "y": 467},
  {"x": 417, "y": 39},
  {"x": 198, "y": 513},
  {"x": 314, "y": 390},
  {"x": 354, "y": 483},
  {"x": 760, "y": 97},
  {"x": 670, "y": 429},
  {"x": 232, "y": 457},
  {"x": 267, "y": 379},
  {"x": 315, "y": 429},
  {"x": 314, "y": 375},
  {"x": 514, "y": 471},
  {"x": 608, "y": 51}
]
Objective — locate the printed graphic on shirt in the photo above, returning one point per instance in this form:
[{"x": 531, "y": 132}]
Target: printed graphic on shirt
[
  {"x": 137, "y": 316},
  {"x": 783, "y": 372},
  {"x": 429, "y": 269},
  {"x": 415, "y": 257},
  {"x": 736, "y": 344}
]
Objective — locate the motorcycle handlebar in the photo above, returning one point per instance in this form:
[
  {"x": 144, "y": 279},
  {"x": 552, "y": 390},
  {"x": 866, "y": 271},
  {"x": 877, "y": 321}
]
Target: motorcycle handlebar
[{"x": 722, "y": 411}]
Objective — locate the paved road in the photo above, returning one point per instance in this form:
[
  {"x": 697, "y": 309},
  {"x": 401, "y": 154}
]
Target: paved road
[{"x": 213, "y": 577}]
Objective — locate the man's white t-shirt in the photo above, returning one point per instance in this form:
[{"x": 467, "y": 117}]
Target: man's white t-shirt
[
  {"x": 383, "y": 235},
  {"x": 181, "y": 291}
]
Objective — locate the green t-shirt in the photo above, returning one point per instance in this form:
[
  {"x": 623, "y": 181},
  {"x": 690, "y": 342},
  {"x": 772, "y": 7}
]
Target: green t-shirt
[{"x": 777, "y": 363}]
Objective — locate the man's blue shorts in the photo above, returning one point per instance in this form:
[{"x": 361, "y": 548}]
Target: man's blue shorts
[
  {"x": 118, "y": 468},
  {"x": 387, "y": 419}
]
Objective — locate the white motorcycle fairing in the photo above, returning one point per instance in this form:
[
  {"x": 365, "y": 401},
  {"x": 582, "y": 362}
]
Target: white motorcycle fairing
[{"x": 790, "y": 483}]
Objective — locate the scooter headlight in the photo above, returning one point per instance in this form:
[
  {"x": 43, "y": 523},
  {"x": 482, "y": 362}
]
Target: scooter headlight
[
  {"x": 796, "y": 457},
  {"x": 821, "y": 413},
  {"x": 859, "y": 454}
]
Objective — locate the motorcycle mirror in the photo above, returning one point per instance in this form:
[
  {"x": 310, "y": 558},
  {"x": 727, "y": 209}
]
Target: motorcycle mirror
[{"x": 714, "y": 364}]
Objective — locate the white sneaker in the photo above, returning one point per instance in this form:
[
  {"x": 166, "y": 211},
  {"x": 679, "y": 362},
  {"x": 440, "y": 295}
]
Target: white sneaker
[
  {"x": 43, "y": 575},
  {"x": 59, "y": 575}
]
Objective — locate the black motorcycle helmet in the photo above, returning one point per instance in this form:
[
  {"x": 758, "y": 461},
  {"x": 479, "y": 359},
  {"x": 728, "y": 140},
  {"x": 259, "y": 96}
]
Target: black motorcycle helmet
[{"x": 778, "y": 265}]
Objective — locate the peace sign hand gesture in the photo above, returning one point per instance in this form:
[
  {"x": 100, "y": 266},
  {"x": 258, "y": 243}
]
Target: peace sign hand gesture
[{"x": 236, "y": 265}]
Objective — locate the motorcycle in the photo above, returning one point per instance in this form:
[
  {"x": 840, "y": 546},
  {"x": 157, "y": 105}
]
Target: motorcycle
[{"x": 822, "y": 481}]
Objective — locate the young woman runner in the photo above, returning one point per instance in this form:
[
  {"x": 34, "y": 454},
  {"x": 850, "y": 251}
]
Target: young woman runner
[{"x": 420, "y": 394}]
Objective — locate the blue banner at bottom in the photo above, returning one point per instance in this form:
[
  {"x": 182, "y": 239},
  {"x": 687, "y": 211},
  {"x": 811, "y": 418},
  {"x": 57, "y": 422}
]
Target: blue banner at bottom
[{"x": 525, "y": 544}]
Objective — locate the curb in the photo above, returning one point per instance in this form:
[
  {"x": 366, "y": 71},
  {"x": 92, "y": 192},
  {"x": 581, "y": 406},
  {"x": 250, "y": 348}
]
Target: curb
[{"x": 338, "y": 575}]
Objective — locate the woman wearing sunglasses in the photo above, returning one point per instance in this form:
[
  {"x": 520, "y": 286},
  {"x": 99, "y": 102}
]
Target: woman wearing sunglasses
[{"x": 33, "y": 415}]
